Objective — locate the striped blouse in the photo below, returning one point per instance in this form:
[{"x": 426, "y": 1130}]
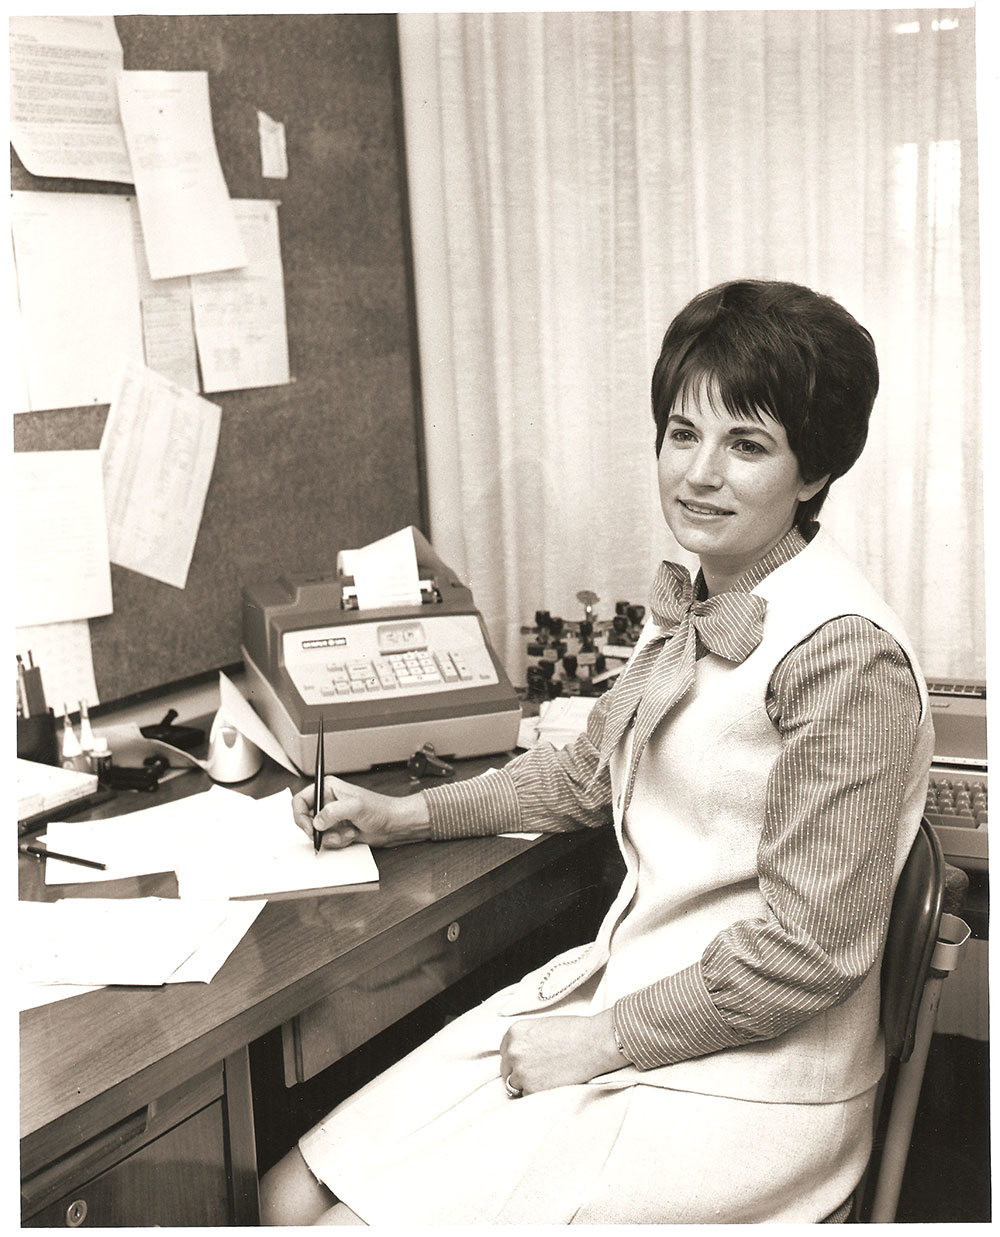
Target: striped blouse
[{"x": 846, "y": 706}]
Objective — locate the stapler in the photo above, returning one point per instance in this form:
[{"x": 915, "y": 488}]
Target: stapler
[{"x": 119, "y": 777}]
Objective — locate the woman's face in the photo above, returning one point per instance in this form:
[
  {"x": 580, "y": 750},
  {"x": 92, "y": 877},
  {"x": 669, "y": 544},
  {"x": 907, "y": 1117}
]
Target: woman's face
[{"x": 729, "y": 487}]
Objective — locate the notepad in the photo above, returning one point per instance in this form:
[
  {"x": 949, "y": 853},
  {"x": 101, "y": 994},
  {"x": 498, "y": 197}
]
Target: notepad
[
  {"x": 43, "y": 788},
  {"x": 266, "y": 853}
]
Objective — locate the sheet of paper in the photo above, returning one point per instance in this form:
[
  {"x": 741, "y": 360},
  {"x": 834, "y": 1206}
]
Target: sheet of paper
[
  {"x": 563, "y": 719},
  {"x": 187, "y": 216},
  {"x": 78, "y": 294},
  {"x": 87, "y": 941},
  {"x": 239, "y": 316},
  {"x": 273, "y": 151},
  {"x": 63, "y": 97},
  {"x": 15, "y": 371},
  {"x": 30, "y": 996},
  {"x": 161, "y": 838},
  {"x": 268, "y": 854},
  {"x": 134, "y": 844},
  {"x": 385, "y": 572},
  {"x": 167, "y": 319},
  {"x": 61, "y": 537},
  {"x": 63, "y": 653},
  {"x": 201, "y": 967},
  {"x": 239, "y": 713},
  {"x": 207, "y": 960},
  {"x": 158, "y": 452}
]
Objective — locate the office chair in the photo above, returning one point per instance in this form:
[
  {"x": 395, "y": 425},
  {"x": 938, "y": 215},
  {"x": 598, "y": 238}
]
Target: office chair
[{"x": 923, "y": 945}]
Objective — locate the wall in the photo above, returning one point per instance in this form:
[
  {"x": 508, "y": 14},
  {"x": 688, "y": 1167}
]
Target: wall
[{"x": 334, "y": 459}]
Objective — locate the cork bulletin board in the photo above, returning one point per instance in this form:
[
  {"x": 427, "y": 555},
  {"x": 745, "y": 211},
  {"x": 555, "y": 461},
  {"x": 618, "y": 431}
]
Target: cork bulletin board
[{"x": 334, "y": 458}]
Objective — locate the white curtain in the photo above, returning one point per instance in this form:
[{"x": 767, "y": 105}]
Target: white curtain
[{"x": 576, "y": 177}]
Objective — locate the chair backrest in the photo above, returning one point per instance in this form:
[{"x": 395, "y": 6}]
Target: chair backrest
[{"x": 910, "y": 941}]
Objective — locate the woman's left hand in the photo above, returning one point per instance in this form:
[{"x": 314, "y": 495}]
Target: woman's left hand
[{"x": 539, "y": 1053}]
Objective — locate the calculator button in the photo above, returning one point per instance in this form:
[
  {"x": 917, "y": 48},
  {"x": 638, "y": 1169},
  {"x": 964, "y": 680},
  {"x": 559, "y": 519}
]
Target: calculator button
[
  {"x": 447, "y": 668},
  {"x": 461, "y": 666}
]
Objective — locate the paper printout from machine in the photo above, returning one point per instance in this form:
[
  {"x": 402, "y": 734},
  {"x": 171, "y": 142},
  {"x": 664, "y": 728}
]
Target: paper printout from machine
[{"x": 385, "y": 680}]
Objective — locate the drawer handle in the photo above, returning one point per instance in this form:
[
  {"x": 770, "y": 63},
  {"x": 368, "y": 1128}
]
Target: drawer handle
[
  {"x": 453, "y": 931},
  {"x": 76, "y": 1213}
]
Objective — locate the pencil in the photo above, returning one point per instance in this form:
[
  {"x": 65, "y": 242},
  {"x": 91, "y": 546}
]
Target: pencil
[
  {"x": 28, "y": 848},
  {"x": 317, "y": 834}
]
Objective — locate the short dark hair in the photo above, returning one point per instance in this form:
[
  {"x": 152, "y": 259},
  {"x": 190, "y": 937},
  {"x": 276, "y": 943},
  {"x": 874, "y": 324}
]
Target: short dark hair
[{"x": 769, "y": 348}]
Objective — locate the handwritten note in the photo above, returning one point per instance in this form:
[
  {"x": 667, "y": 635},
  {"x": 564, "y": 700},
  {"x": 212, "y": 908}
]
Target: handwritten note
[{"x": 158, "y": 452}]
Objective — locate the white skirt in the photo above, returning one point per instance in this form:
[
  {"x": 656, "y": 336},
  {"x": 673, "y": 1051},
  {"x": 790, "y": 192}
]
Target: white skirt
[{"x": 436, "y": 1140}]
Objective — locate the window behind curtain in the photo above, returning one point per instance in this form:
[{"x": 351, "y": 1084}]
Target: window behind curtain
[{"x": 577, "y": 177}]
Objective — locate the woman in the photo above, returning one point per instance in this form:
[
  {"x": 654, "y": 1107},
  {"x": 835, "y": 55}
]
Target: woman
[{"x": 713, "y": 1054}]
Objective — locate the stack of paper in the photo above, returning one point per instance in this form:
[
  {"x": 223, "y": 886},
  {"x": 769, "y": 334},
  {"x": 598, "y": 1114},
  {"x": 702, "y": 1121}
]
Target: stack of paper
[
  {"x": 559, "y": 721},
  {"x": 221, "y": 844},
  {"x": 258, "y": 849},
  {"x": 42, "y": 788},
  {"x": 87, "y": 942}
]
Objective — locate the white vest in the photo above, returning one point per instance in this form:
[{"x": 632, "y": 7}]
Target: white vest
[{"x": 697, "y": 812}]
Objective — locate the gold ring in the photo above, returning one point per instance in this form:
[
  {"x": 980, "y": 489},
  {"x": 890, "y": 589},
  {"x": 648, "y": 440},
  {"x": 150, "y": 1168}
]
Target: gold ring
[{"x": 513, "y": 1093}]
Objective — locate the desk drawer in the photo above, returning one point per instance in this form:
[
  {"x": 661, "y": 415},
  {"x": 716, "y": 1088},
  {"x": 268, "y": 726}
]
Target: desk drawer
[
  {"x": 179, "y": 1178},
  {"x": 339, "y": 1023}
]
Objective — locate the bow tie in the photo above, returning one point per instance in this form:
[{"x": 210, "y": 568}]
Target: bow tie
[{"x": 729, "y": 625}]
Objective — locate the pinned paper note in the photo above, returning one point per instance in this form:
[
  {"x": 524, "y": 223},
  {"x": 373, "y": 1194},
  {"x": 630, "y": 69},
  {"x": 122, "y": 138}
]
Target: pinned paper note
[
  {"x": 239, "y": 315},
  {"x": 157, "y": 453},
  {"x": 78, "y": 294},
  {"x": 187, "y": 216},
  {"x": 61, "y": 538},
  {"x": 273, "y": 152},
  {"x": 63, "y": 97},
  {"x": 385, "y": 572}
]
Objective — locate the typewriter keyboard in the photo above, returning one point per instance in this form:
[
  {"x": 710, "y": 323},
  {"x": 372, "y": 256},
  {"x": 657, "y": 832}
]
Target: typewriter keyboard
[{"x": 957, "y": 800}]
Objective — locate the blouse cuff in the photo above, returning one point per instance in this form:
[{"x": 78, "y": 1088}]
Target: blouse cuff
[
  {"x": 480, "y": 807},
  {"x": 671, "y": 1020}
]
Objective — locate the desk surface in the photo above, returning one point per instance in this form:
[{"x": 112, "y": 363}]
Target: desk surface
[{"x": 102, "y": 1055}]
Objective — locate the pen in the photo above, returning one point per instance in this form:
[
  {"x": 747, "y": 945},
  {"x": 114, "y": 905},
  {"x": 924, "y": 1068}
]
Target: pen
[
  {"x": 28, "y": 848},
  {"x": 317, "y": 834}
]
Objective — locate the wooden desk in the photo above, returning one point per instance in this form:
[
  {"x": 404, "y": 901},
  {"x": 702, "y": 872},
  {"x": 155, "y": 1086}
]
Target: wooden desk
[{"x": 136, "y": 1103}]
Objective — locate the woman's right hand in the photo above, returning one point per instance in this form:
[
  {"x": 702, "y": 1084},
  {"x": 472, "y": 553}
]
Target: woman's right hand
[{"x": 354, "y": 814}]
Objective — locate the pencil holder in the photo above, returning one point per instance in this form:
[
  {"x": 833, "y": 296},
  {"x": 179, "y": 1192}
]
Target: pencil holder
[{"x": 36, "y": 738}]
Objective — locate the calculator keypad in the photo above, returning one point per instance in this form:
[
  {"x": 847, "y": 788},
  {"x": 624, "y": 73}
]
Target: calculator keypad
[{"x": 391, "y": 673}]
